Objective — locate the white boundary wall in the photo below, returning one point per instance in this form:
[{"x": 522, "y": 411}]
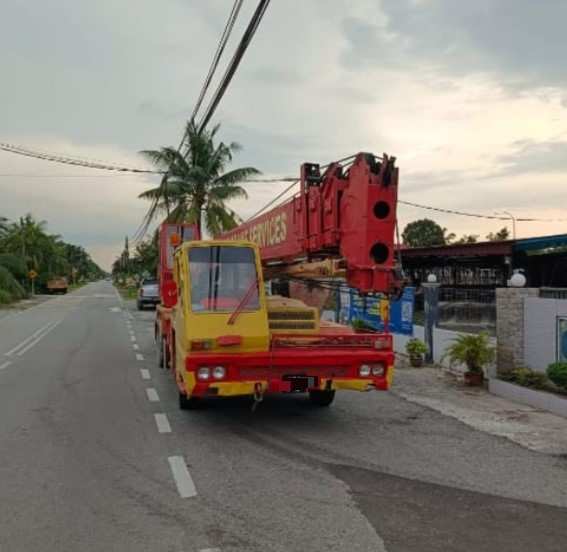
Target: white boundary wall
[{"x": 441, "y": 340}]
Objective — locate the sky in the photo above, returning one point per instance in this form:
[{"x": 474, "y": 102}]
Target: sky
[{"x": 470, "y": 97}]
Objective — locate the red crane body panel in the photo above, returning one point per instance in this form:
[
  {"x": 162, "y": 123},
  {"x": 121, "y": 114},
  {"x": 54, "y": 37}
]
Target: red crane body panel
[
  {"x": 186, "y": 232},
  {"x": 347, "y": 212}
]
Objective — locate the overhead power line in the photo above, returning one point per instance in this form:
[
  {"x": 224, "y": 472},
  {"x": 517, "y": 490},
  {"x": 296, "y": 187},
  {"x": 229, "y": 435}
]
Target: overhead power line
[
  {"x": 26, "y": 175},
  {"x": 57, "y": 158},
  {"x": 289, "y": 188},
  {"x": 295, "y": 181},
  {"x": 235, "y": 62},
  {"x": 146, "y": 221},
  {"x": 65, "y": 175},
  {"x": 220, "y": 49},
  {"x": 478, "y": 215}
]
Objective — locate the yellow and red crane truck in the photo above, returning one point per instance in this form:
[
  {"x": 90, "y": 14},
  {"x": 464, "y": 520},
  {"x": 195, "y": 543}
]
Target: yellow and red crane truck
[
  {"x": 225, "y": 336},
  {"x": 170, "y": 236}
]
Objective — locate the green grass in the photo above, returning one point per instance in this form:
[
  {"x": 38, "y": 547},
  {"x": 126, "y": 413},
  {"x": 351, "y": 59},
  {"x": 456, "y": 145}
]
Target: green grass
[
  {"x": 73, "y": 287},
  {"x": 127, "y": 293}
]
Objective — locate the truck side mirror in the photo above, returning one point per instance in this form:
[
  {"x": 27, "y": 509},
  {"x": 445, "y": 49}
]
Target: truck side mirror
[{"x": 170, "y": 294}]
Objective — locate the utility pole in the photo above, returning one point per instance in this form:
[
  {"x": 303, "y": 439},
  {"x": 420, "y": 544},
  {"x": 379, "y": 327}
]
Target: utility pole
[
  {"x": 23, "y": 239},
  {"x": 22, "y": 230}
]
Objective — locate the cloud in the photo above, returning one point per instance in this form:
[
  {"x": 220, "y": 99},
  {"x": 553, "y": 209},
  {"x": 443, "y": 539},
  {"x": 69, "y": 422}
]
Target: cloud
[
  {"x": 530, "y": 157},
  {"x": 152, "y": 108},
  {"x": 275, "y": 76},
  {"x": 471, "y": 101},
  {"x": 93, "y": 208},
  {"x": 521, "y": 44}
]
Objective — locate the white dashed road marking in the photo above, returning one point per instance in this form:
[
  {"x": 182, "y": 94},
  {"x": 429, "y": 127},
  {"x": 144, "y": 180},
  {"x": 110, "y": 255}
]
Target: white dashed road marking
[
  {"x": 145, "y": 374},
  {"x": 139, "y": 356},
  {"x": 162, "y": 423},
  {"x": 5, "y": 365},
  {"x": 182, "y": 477},
  {"x": 136, "y": 347},
  {"x": 152, "y": 395}
]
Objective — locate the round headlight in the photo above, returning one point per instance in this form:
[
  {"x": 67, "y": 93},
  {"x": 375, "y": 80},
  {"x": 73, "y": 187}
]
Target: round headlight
[
  {"x": 219, "y": 372},
  {"x": 378, "y": 370},
  {"x": 364, "y": 371},
  {"x": 203, "y": 374}
]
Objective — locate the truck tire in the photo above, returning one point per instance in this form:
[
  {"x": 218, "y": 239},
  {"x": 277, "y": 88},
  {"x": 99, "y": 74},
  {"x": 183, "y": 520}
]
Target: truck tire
[
  {"x": 159, "y": 350},
  {"x": 165, "y": 355},
  {"x": 321, "y": 398},
  {"x": 187, "y": 403}
]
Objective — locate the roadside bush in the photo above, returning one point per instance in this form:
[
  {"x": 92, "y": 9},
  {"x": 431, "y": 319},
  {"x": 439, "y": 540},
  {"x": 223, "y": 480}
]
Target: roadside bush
[
  {"x": 557, "y": 373},
  {"x": 5, "y": 297},
  {"x": 9, "y": 286},
  {"x": 527, "y": 377}
]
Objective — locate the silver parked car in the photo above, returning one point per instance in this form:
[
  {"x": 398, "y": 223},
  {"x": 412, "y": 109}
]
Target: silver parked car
[{"x": 148, "y": 293}]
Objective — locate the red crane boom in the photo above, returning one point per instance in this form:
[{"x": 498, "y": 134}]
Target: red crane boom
[{"x": 344, "y": 218}]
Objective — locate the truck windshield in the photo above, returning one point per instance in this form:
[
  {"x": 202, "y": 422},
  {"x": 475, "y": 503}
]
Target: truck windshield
[{"x": 220, "y": 277}]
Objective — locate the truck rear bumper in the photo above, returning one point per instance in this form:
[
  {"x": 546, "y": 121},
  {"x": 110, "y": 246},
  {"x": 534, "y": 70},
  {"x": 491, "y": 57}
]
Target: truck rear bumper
[
  {"x": 270, "y": 387},
  {"x": 251, "y": 372}
]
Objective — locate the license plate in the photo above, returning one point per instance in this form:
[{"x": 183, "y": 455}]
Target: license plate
[{"x": 296, "y": 384}]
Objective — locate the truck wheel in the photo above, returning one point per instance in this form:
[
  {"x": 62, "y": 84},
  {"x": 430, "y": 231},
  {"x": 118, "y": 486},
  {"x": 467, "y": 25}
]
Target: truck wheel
[
  {"x": 187, "y": 403},
  {"x": 159, "y": 350},
  {"x": 321, "y": 398},
  {"x": 164, "y": 354}
]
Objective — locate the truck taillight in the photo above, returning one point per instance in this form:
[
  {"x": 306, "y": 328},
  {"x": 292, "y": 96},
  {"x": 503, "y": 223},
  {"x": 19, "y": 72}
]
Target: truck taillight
[
  {"x": 383, "y": 343},
  {"x": 204, "y": 373},
  {"x": 219, "y": 372},
  {"x": 201, "y": 344},
  {"x": 364, "y": 371},
  {"x": 378, "y": 370}
]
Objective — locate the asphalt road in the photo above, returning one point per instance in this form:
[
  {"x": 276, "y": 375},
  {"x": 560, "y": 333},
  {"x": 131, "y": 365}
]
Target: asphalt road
[{"x": 96, "y": 456}]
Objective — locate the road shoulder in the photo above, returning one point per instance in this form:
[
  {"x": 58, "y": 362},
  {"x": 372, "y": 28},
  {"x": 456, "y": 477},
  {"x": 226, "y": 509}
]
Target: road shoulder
[{"x": 529, "y": 427}]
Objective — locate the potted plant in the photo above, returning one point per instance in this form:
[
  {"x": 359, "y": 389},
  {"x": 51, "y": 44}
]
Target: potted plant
[
  {"x": 359, "y": 326},
  {"x": 474, "y": 351},
  {"x": 416, "y": 348}
]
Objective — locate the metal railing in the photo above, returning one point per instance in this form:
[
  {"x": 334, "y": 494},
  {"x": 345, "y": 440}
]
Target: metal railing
[
  {"x": 462, "y": 309},
  {"x": 553, "y": 293}
]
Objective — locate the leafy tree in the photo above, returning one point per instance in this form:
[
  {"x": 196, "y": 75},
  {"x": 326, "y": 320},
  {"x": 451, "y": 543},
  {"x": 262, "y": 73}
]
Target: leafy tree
[
  {"x": 4, "y": 226},
  {"x": 468, "y": 238},
  {"x": 198, "y": 182},
  {"x": 146, "y": 257},
  {"x": 12, "y": 268},
  {"x": 425, "y": 232},
  {"x": 501, "y": 235},
  {"x": 26, "y": 245}
]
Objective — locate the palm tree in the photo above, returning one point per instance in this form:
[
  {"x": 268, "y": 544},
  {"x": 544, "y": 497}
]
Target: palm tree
[
  {"x": 146, "y": 256},
  {"x": 196, "y": 183},
  {"x": 4, "y": 226},
  {"x": 11, "y": 267}
]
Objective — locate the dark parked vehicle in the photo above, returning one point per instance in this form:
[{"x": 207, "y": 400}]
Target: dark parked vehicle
[{"x": 148, "y": 293}]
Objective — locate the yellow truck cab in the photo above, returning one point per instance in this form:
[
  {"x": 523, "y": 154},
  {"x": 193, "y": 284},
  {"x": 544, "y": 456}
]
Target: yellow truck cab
[{"x": 230, "y": 339}]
